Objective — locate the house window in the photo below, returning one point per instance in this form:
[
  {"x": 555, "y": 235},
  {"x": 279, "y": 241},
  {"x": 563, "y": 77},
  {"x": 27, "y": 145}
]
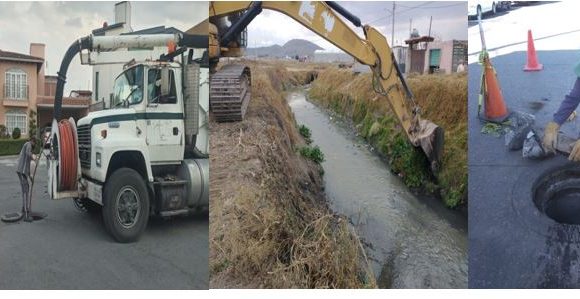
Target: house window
[
  {"x": 17, "y": 119},
  {"x": 15, "y": 86}
]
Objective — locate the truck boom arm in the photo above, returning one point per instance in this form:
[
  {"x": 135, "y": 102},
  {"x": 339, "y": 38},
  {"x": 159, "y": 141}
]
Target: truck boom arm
[{"x": 373, "y": 51}]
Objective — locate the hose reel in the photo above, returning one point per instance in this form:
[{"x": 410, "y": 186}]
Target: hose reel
[{"x": 65, "y": 153}]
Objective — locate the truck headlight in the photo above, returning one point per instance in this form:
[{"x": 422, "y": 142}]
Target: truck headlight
[{"x": 98, "y": 159}]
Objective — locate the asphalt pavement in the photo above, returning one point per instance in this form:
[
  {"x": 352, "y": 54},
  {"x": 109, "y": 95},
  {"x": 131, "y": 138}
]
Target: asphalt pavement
[
  {"x": 71, "y": 250},
  {"x": 512, "y": 244}
]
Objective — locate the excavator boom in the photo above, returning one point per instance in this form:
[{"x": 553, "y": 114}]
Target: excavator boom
[{"x": 324, "y": 18}]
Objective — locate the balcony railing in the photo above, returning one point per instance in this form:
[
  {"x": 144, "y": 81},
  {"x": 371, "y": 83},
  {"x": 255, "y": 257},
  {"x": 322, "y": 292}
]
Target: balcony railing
[{"x": 15, "y": 93}]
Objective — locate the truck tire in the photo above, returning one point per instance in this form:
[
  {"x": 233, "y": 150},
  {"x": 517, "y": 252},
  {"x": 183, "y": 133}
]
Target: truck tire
[{"x": 125, "y": 205}]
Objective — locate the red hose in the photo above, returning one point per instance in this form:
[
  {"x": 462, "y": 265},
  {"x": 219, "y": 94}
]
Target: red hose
[{"x": 68, "y": 156}]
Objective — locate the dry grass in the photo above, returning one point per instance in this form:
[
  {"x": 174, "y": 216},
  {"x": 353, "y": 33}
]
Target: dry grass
[
  {"x": 443, "y": 101},
  {"x": 270, "y": 226}
]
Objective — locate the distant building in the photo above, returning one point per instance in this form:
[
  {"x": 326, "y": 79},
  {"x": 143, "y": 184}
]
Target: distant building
[
  {"x": 426, "y": 56},
  {"x": 445, "y": 56},
  {"x": 415, "y": 60},
  {"x": 25, "y": 87}
]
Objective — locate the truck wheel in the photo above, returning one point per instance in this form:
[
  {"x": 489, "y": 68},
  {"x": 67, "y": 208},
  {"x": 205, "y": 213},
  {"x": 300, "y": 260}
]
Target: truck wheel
[{"x": 125, "y": 205}]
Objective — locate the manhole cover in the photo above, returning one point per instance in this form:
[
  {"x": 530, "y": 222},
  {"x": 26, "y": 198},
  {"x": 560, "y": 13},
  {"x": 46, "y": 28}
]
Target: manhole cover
[
  {"x": 17, "y": 216},
  {"x": 557, "y": 195},
  {"x": 11, "y": 217}
]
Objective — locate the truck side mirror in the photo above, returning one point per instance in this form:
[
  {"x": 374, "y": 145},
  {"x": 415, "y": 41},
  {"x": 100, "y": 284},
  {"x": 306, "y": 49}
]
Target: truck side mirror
[{"x": 165, "y": 82}]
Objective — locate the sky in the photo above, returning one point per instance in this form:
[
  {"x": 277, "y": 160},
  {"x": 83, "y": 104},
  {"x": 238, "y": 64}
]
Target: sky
[
  {"x": 449, "y": 22},
  {"x": 58, "y": 24}
]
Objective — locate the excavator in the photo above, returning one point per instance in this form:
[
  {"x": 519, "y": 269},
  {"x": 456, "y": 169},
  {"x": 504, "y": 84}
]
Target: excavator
[{"x": 230, "y": 87}]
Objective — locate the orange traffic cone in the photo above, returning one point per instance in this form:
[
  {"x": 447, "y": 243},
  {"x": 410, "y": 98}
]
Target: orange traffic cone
[
  {"x": 532, "y": 64},
  {"x": 495, "y": 107}
]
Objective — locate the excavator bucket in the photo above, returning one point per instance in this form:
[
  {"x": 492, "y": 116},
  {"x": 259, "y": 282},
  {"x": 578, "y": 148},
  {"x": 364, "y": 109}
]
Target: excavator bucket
[{"x": 431, "y": 138}]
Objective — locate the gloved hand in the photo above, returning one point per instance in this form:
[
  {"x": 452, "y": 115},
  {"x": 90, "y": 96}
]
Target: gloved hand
[
  {"x": 575, "y": 153},
  {"x": 550, "y": 137}
]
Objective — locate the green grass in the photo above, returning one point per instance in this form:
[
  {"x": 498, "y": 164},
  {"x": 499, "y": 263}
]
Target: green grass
[
  {"x": 312, "y": 153},
  {"x": 306, "y": 133}
]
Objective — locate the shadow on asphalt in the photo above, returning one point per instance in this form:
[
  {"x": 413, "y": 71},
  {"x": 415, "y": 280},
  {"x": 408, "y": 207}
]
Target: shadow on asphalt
[{"x": 156, "y": 226}]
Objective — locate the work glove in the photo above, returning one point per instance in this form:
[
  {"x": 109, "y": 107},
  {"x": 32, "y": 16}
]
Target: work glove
[
  {"x": 550, "y": 137},
  {"x": 575, "y": 153}
]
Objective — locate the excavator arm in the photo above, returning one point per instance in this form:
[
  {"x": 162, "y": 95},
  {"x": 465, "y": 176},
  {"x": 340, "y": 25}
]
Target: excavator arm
[{"x": 373, "y": 50}]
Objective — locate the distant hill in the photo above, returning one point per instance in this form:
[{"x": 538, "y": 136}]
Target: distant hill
[{"x": 292, "y": 48}]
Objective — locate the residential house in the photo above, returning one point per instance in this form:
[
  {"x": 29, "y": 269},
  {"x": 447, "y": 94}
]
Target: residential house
[
  {"x": 19, "y": 78},
  {"x": 76, "y": 105},
  {"x": 25, "y": 88}
]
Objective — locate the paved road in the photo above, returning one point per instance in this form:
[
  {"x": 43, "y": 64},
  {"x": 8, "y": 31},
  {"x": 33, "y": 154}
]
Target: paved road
[
  {"x": 554, "y": 27},
  {"x": 511, "y": 244},
  {"x": 71, "y": 250}
]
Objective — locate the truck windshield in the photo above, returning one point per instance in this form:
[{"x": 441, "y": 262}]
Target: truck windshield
[{"x": 128, "y": 89}]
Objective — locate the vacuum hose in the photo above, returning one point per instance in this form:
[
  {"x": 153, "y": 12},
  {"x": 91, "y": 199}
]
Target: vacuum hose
[{"x": 76, "y": 47}]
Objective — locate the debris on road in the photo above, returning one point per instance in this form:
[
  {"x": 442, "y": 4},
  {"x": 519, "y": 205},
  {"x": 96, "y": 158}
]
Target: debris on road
[
  {"x": 520, "y": 125},
  {"x": 532, "y": 148}
]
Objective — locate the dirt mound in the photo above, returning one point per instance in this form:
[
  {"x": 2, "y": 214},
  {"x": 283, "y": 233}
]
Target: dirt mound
[
  {"x": 269, "y": 223},
  {"x": 443, "y": 101}
]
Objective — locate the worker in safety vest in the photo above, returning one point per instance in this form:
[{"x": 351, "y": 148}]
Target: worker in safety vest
[{"x": 23, "y": 171}]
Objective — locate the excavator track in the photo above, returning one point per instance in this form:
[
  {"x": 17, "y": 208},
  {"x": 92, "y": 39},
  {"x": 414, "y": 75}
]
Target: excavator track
[{"x": 230, "y": 92}]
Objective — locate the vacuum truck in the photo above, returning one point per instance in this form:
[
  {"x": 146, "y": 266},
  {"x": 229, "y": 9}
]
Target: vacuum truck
[{"x": 148, "y": 153}]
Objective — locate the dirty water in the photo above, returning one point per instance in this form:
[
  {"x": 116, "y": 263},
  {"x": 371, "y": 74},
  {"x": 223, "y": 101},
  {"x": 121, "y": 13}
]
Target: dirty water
[{"x": 412, "y": 242}]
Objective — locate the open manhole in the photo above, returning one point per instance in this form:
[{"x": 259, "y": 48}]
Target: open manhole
[{"x": 557, "y": 195}]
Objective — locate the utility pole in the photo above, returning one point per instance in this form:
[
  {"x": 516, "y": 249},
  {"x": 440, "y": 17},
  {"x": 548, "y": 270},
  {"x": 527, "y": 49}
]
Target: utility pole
[
  {"x": 393, "y": 27},
  {"x": 430, "y": 22},
  {"x": 410, "y": 25}
]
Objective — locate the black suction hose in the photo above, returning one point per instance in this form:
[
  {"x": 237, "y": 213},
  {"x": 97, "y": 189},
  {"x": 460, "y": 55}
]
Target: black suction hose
[
  {"x": 76, "y": 47},
  {"x": 345, "y": 13}
]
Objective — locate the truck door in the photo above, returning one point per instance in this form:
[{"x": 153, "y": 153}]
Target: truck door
[{"x": 164, "y": 119}]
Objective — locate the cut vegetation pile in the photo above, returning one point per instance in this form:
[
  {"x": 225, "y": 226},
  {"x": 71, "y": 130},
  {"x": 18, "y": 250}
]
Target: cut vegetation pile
[
  {"x": 269, "y": 223},
  {"x": 443, "y": 101}
]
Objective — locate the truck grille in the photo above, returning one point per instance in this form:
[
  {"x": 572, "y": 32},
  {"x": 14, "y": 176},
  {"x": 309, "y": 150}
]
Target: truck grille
[{"x": 84, "y": 135}]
